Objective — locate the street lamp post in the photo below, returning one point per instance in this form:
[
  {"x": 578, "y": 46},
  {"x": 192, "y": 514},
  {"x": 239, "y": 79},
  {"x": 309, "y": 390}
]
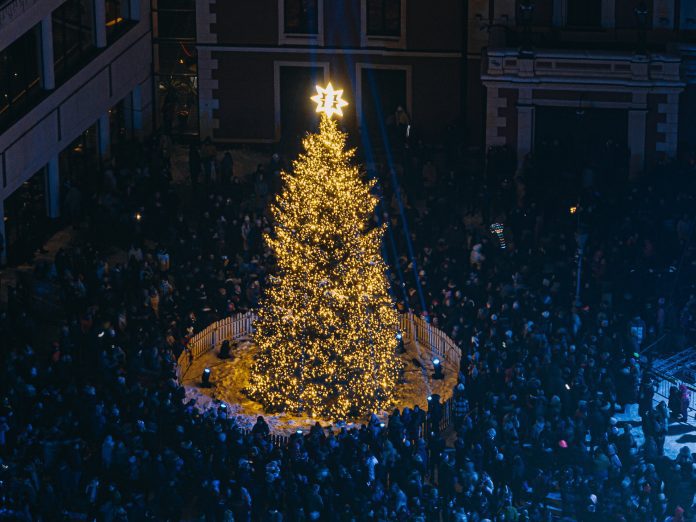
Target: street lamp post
[
  {"x": 642, "y": 12},
  {"x": 526, "y": 13},
  {"x": 581, "y": 240}
]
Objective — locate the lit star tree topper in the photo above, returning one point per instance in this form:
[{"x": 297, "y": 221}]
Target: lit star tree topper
[
  {"x": 327, "y": 324},
  {"x": 329, "y": 100}
]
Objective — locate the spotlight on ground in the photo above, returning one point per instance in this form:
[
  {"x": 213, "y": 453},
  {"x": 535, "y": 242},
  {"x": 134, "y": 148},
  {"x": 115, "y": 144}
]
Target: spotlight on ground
[
  {"x": 437, "y": 366},
  {"x": 205, "y": 378},
  {"x": 400, "y": 341}
]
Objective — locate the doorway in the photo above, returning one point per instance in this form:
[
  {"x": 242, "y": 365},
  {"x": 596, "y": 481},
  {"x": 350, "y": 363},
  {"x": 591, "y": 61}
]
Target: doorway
[
  {"x": 297, "y": 111},
  {"x": 575, "y": 146},
  {"x": 383, "y": 93},
  {"x": 585, "y": 14}
]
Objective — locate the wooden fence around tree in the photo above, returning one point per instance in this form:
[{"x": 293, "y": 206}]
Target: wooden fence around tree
[
  {"x": 413, "y": 327},
  {"x": 229, "y": 328}
]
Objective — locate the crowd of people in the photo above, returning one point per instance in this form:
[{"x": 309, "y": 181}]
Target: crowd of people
[{"x": 95, "y": 426}]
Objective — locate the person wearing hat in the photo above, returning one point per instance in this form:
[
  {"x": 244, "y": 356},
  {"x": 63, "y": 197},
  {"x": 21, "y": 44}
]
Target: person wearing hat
[
  {"x": 261, "y": 427},
  {"x": 684, "y": 401},
  {"x": 460, "y": 405}
]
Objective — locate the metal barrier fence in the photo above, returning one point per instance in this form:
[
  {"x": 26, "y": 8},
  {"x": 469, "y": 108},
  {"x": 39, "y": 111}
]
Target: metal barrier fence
[
  {"x": 665, "y": 382},
  {"x": 412, "y": 326}
]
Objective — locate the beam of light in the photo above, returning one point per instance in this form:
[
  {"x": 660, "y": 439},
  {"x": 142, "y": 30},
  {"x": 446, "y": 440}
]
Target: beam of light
[{"x": 397, "y": 188}]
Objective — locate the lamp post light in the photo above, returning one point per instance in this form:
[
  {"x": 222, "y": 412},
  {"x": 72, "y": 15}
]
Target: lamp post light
[
  {"x": 526, "y": 13},
  {"x": 642, "y": 12},
  {"x": 581, "y": 240},
  {"x": 437, "y": 367}
]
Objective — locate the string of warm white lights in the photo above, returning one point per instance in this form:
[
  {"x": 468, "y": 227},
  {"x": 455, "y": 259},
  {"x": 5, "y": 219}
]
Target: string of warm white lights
[{"x": 327, "y": 325}]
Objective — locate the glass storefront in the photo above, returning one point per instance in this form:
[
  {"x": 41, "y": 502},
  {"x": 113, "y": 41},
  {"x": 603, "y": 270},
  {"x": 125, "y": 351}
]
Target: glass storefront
[
  {"x": 73, "y": 38},
  {"x": 176, "y": 67},
  {"x": 20, "y": 82},
  {"x": 118, "y": 16},
  {"x": 79, "y": 163},
  {"x": 26, "y": 224}
]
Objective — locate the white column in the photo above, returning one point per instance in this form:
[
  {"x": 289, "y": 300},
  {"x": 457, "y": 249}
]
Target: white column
[
  {"x": 525, "y": 132},
  {"x": 494, "y": 122},
  {"x": 52, "y": 178},
  {"x": 104, "y": 130},
  {"x": 128, "y": 113},
  {"x": 134, "y": 10},
  {"x": 48, "y": 77},
  {"x": 207, "y": 103},
  {"x": 636, "y": 141},
  {"x": 559, "y": 13},
  {"x": 146, "y": 107},
  {"x": 663, "y": 14},
  {"x": 99, "y": 23},
  {"x": 505, "y": 11},
  {"x": 3, "y": 235},
  {"x": 608, "y": 14},
  {"x": 670, "y": 127},
  {"x": 137, "y": 96}
]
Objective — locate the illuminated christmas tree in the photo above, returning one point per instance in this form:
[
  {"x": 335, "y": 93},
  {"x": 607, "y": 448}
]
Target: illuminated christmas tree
[{"x": 327, "y": 325}]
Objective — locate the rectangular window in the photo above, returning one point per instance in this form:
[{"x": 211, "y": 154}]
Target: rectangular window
[
  {"x": 20, "y": 82},
  {"x": 176, "y": 71},
  {"x": 301, "y": 17},
  {"x": 176, "y": 20},
  {"x": 585, "y": 13},
  {"x": 73, "y": 39},
  {"x": 117, "y": 17},
  {"x": 688, "y": 16},
  {"x": 180, "y": 24},
  {"x": 384, "y": 18}
]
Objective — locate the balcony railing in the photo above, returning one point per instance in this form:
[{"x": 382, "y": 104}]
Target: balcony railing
[{"x": 581, "y": 64}]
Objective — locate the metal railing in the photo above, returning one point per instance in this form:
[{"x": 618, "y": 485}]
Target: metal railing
[
  {"x": 419, "y": 330},
  {"x": 665, "y": 382},
  {"x": 237, "y": 327}
]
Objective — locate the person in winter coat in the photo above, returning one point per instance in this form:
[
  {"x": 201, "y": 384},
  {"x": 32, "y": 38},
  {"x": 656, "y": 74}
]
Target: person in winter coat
[
  {"x": 261, "y": 427},
  {"x": 674, "y": 402},
  {"x": 476, "y": 258},
  {"x": 460, "y": 405},
  {"x": 684, "y": 399}
]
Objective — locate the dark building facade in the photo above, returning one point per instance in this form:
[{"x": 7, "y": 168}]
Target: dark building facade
[
  {"x": 75, "y": 78},
  {"x": 585, "y": 71},
  {"x": 258, "y": 63}
]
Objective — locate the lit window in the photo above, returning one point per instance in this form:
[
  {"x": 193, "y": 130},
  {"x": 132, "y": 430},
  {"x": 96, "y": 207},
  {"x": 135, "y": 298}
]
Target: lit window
[
  {"x": 73, "y": 41},
  {"x": 19, "y": 75},
  {"x": 117, "y": 14}
]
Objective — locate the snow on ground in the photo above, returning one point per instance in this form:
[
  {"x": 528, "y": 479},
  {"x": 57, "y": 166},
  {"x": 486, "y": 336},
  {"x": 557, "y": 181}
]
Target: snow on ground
[
  {"x": 680, "y": 434},
  {"x": 230, "y": 377}
]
